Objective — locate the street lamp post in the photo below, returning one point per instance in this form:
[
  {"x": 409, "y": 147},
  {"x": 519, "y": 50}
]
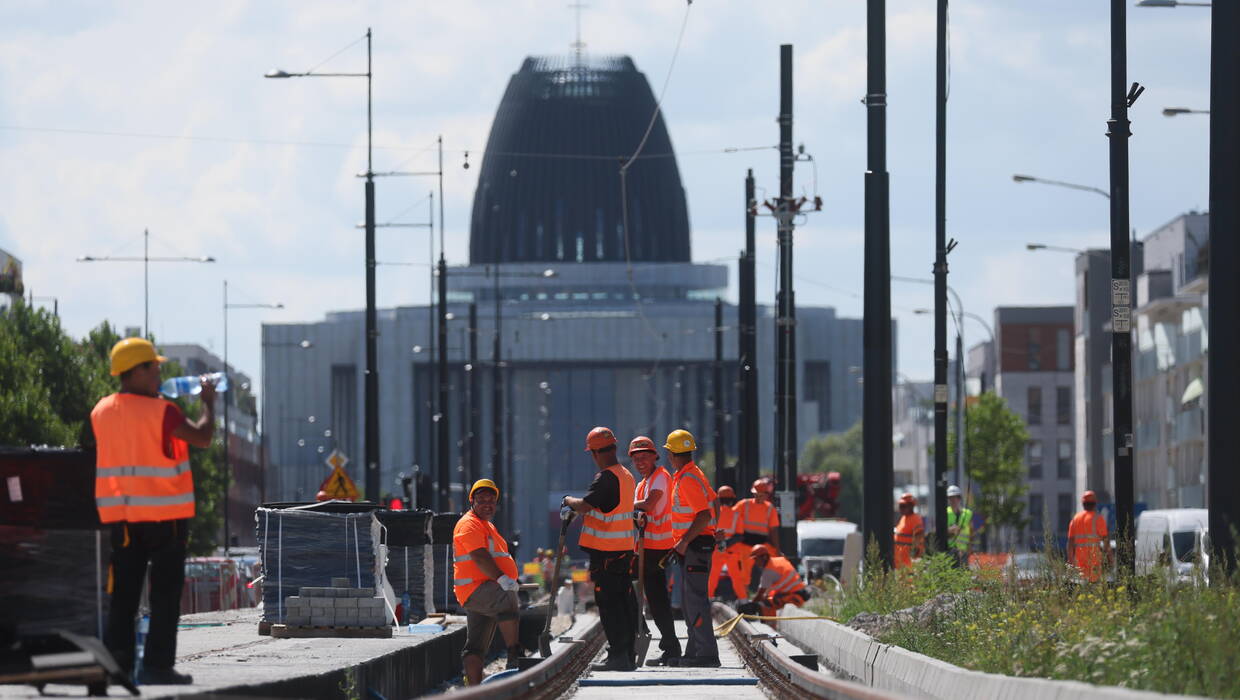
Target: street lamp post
[
  {"x": 227, "y": 402},
  {"x": 1060, "y": 183},
  {"x": 146, "y": 261},
  {"x": 1171, "y": 3},
  {"x": 371, "y": 457}
]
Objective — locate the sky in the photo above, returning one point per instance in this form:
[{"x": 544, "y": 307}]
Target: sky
[{"x": 120, "y": 117}]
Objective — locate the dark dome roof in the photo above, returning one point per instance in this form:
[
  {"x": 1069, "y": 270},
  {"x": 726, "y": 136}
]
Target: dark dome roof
[{"x": 549, "y": 185}]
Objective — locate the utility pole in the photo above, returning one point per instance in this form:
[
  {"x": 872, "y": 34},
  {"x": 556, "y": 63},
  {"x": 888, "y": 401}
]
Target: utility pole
[
  {"x": 371, "y": 458},
  {"x": 441, "y": 404},
  {"x": 1122, "y": 97},
  {"x": 497, "y": 413},
  {"x": 960, "y": 400},
  {"x": 723, "y": 473},
  {"x": 941, "y": 249},
  {"x": 1224, "y": 375},
  {"x": 473, "y": 385},
  {"x": 876, "y": 406},
  {"x": 747, "y": 315}
]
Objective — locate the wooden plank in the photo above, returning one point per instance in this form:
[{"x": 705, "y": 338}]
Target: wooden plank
[{"x": 88, "y": 674}]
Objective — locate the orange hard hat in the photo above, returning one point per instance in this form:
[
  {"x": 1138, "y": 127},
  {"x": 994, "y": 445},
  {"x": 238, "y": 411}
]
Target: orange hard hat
[
  {"x": 762, "y": 485},
  {"x": 1089, "y": 497},
  {"x": 599, "y": 438},
  {"x": 726, "y": 492},
  {"x": 907, "y": 499},
  {"x": 641, "y": 443},
  {"x": 761, "y": 549}
]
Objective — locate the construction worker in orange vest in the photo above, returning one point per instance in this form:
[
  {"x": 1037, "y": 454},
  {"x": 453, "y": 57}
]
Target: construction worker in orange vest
[
  {"x": 1088, "y": 544},
  {"x": 729, "y": 550},
  {"x": 756, "y": 520},
  {"x": 653, "y": 502},
  {"x": 145, "y": 491},
  {"x": 694, "y": 513},
  {"x": 484, "y": 578},
  {"x": 607, "y": 535},
  {"x": 780, "y": 583},
  {"x": 910, "y": 534}
]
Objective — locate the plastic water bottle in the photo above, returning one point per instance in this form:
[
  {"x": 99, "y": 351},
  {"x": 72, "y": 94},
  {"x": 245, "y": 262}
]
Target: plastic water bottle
[
  {"x": 405, "y": 601},
  {"x": 192, "y": 385},
  {"x": 144, "y": 627}
]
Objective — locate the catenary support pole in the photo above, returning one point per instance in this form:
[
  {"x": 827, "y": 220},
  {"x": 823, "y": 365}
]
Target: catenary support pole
[
  {"x": 876, "y": 404},
  {"x": 1121, "y": 286},
  {"x": 443, "y": 469},
  {"x": 939, "y": 483},
  {"x": 1224, "y": 373},
  {"x": 724, "y": 473},
  {"x": 749, "y": 458},
  {"x": 474, "y": 383},
  {"x": 785, "y": 322},
  {"x": 371, "y": 417}
]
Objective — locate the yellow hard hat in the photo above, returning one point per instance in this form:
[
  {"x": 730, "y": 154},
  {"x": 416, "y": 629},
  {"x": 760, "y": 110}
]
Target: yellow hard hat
[
  {"x": 483, "y": 484},
  {"x": 131, "y": 352},
  {"x": 680, "y": 441}
]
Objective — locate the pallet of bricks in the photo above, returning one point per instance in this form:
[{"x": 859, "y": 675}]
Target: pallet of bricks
[{"x": 334, "y": 611}]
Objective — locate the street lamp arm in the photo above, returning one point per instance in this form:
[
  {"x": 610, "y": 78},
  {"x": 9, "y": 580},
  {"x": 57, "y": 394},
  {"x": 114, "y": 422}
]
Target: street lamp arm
[
  {"x": 254, "y": 306},
  {"x": 92, "y": 258},
  {"x": 1060, "y": 183},
  {"x": 286, "y": 74}
]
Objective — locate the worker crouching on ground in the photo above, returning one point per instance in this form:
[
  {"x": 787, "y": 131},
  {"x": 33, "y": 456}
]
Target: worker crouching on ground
[
  {"x": 756, "y": 520},
  {"x": 653, "y": 498},
  {"x": 145, "y": 491},
  {"x": 729, "y": 550},
  {"x": 780, "y": 583},
  {"x": 693, "y": 534},
  {"x": 959, "y": 527},
  {"x": 910, "y": 534},
  {"x": 607, "y": 536},
  {"x": 1088, "y": 544},
  {"x": 485, "y": 581}
]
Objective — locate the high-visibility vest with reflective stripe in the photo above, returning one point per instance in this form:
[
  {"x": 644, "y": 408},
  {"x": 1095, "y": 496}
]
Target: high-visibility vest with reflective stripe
[
  {"x": 905, "y": 538},
  {"x": 135, "y": 481},
  {"x": 1085, "y": 532},
  {"x": 727, "y": 519},
  {"x": 755, "y": 517},
  {"x": 611, "y": 531},
  {"x": 965, "y": 521},
  {"x": 466, "y": 574},
  {"x": 789, "y": 580},
  {"x": 659, "y": 522},
  {"x": 690, "y": 477}
]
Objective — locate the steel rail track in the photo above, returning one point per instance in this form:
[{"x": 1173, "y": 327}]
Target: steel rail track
[{"x": 550, "y": 678}]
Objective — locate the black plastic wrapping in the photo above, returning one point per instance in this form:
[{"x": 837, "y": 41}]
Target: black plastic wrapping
[{"x": 52, "y": 580}]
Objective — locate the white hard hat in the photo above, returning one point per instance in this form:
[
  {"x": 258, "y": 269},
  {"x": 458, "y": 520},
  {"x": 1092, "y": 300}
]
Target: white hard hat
[{"x": 953, "y": 491}]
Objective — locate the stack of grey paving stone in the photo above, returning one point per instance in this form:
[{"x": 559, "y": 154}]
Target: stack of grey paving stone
[{"x": 329, "y": 610}]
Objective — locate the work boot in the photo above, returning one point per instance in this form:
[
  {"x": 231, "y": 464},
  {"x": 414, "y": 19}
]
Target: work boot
[
  {"x": 163, "y": 676},
  {"x": 514, "y": 657},
  {"x": 616, "y": 662},
  {"x": 698, "y": 662},
  {"x": 667, "y": 659}
]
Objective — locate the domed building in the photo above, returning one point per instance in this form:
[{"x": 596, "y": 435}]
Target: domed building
[{"x": 593, "y": 326}]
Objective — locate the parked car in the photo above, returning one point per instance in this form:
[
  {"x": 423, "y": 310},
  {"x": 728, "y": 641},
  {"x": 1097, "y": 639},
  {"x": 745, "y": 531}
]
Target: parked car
[
  {"x": 1177, "y": 539},
  {"x": 821, "y": 544}
]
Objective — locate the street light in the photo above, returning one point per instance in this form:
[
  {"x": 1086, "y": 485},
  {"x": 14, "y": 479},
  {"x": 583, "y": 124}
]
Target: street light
[
  {"x": 1059, "y": 183},
  {"x": 1174, "y": 111},
  {"x": 146, "y": 260},
  {"x": 371, "y": 458},
  {"x": 227, "y": 402},
  {"x": 1171, "y": 3}
]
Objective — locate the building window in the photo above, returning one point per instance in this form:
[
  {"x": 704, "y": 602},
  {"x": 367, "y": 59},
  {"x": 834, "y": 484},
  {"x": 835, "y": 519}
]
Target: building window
[
  {"x": 1035, "y": 514},
  {"x": 1033, "y": 350},
  {"x": 1064, "y": 464},
  {"x": 818, "y": 389},
  {"x": 1063, "y": 350},
  {"x": 1034, "y": 458},
  {"x": 1063, "y": 405},
  {"x": 1065, "y": 511},
  {"x": 1034, "y": 405}
]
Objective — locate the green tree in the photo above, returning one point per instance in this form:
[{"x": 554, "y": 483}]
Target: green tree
[
  {"x": 995, "y": 439},
  {"x": 838, "y": 452}
]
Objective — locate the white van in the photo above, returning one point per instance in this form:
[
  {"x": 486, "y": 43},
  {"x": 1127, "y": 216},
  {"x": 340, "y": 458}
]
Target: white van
[
  {"x": 821, "y": 544},
  {"x": 1177, "y": 538}
]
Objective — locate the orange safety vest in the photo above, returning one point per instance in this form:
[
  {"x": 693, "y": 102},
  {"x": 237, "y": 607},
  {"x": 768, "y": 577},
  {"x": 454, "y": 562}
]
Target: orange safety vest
[
  {"x": 466, "y": 574},
  {"x": 727, "y": 519},
  {"x": 756, "y": 517},
  {"x": 611, "y": 531},
  {"x": 905, "y": 538},
  {"x": 658, "y": 523},
  {"x": 135, "y": 481},
  {"x": 789, "y": 580},
  {"x": 1086, "y": 532},
  {"x": 683, "y": 509}
]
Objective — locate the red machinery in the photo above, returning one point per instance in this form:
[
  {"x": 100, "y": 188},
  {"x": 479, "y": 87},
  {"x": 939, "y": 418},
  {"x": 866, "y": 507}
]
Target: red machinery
[{"x": 817, "y": 495}]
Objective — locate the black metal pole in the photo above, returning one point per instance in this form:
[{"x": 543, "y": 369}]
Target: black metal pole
[
  {"x": 1121, "y": 287},
  {"x": 876, "y": 406},
  {"x": 497, "y": 415},
  {"x": 227, "y": 456},
  {"x": 785, "y": 324},
  {"x": 747, "y": 466},
  {"x": 471, "y": 440},
  {"x": 1224, "y": 375},
  {"x": 441, "y": 403},
  {"x": 372, "y": 332},
  {"x": 958, "y": 475},
  {"x": 724, "y": 474},
  {"x": 940, "y": 285}
]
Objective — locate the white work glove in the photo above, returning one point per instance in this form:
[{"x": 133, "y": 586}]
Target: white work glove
[
  {"x": 566, "y": 513},
  {"x": 507, "y": 583}
]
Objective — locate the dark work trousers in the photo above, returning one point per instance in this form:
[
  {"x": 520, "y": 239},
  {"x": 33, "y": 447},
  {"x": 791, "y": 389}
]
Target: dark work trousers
[
  {"x": 617, "y": 605},
  {"x": 696, "y": 606},
  {"x": 657, "y": 598},
  {"x": 134, "y": 546}
]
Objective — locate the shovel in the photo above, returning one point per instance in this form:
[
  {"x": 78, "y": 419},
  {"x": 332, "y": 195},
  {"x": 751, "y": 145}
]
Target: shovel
[
  {"x": 544, "y": 639},
  {"x": 641, "y": 643}
]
